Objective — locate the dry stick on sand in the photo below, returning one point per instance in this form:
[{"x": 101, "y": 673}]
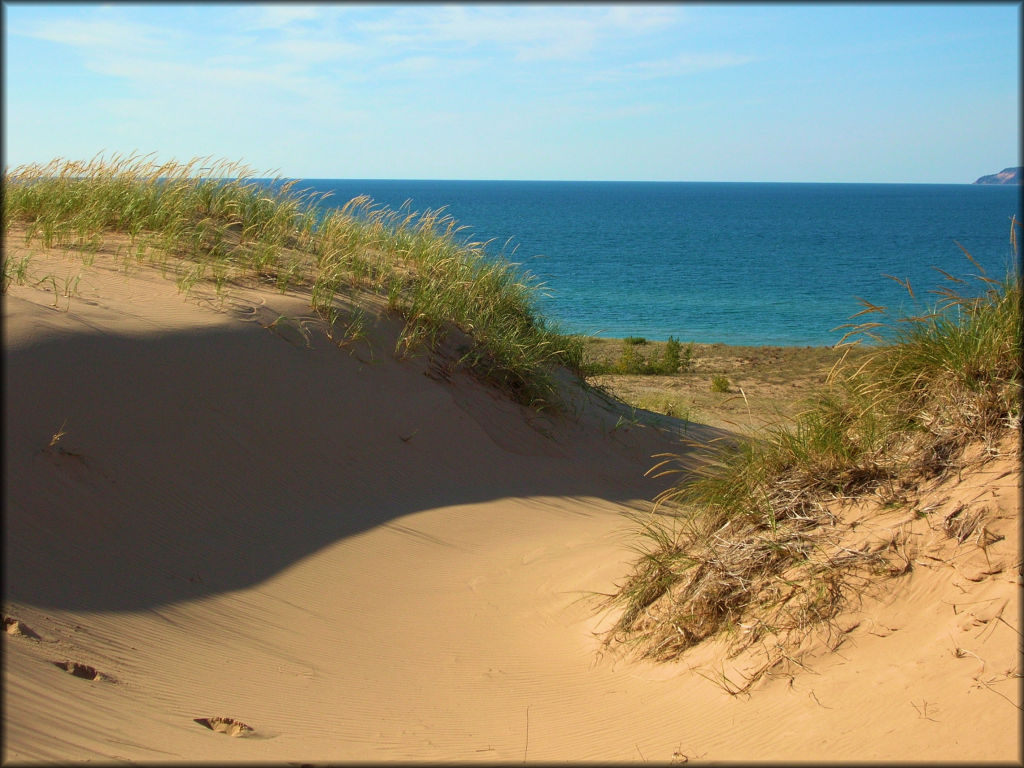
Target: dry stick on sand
[
  {"x": 527, "y": 747},
  {"x": 58, "y": 434}
]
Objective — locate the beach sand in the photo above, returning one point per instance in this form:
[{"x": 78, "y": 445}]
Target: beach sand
[{"x": 229, "y": 540}]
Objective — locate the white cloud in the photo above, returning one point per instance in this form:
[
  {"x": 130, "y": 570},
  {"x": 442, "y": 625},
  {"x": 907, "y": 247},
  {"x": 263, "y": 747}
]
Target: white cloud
[
  {"x": 278, "y": 16},
  {"x": 271, "y": 43},
  {"x": 188, "y": 66},
  {"x": 434, "y": 68},
  {"x": 527, "y": 32},
  {"x": 109, "y": 35},
  {"x": 311, "y": 51},
  {"x": 674, "y": 66},
  {"x": 424, "y": 65},
  {"x": 529, "y": 35},
  {"x": 642, "y": 18}
]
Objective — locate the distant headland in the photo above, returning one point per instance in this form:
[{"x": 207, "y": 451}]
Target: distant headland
[{"x": 1005, "y": 176}]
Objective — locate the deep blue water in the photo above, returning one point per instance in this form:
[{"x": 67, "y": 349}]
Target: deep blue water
[{"x": 740, "y": 263}]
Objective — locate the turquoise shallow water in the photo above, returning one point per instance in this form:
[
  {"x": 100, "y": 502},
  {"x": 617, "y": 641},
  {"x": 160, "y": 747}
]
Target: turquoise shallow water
[{"x": 739, "y": 263}]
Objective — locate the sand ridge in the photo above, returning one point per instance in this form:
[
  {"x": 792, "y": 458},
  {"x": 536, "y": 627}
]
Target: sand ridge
[{"x": 267, "y": 548}]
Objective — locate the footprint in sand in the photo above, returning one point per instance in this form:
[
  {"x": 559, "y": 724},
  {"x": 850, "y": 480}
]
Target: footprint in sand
[
  {"x": 19, "y": 628},
  {"x": 227, "y": 725},
  {"x": 294, "y": 331},
  {"x": 83, "y": 671},
  {"x": 243, "y": 309}
]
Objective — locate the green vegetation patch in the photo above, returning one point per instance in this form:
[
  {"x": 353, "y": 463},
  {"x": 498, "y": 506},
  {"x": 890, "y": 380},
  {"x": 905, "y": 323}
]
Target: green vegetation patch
[
  {"x": 216, "y": 221},
  {"x": 661, "y": 359}
]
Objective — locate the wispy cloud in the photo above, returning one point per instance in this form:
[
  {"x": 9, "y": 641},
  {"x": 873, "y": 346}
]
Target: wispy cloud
[
  {"x": 503, "y": 85},
  {"x": 307, "y": 51},
  {"x": 197, "y": 61},
  {"x": 91, "y": 34},
  {"x": 223, "y": 61},
  {"x": 524, "y": 32},
  {"x": 399, "y": 41},
  {"x": 675, "y": 66},
  {"x": 277, "y": 16}
]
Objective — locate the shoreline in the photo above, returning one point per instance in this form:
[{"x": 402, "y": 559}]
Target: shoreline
[
  {"x": 710, "y": 345},
  {"x": 689, "y": 340}
]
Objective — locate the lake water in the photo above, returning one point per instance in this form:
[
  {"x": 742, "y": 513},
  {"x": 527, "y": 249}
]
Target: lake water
[{"x": 740, "y": 263}]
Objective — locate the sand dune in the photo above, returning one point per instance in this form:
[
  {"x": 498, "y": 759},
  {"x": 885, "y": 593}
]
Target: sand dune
[{"x": 247, "y": 544}]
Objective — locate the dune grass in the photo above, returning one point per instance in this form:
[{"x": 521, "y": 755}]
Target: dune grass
[
  {"x": 748, "y": 545},
  {"x": 216, "y": 221}
]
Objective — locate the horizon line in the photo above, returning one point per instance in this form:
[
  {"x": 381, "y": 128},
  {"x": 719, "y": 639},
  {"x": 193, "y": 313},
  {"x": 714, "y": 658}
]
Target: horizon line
[{"x": 612, "y": 181}]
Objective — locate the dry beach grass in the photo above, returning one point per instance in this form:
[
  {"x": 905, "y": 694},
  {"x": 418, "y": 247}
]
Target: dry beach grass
[{"x": 758, "y": 539}]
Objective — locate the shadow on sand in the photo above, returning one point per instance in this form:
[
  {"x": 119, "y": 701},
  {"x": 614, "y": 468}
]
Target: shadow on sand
[{"x": 199, "y": 462}]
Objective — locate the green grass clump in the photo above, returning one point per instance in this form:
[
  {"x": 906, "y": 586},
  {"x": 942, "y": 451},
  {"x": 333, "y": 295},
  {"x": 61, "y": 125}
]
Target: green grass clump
[
  {"x": 217, "y": 221},
  {"x": 748, "y": 544},
  {"x": 15, "y": 271},
  {"x": 669, "y": 406},
  {"x": 674, "y": 358},
  {"x": 719, "y": 384}
]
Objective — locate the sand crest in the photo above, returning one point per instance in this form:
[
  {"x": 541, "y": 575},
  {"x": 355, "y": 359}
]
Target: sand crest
[{"x": 227, "y": 539}]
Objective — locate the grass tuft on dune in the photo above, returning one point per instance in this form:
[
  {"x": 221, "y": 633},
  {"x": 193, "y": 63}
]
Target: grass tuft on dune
[
  {"x": 749, "y": 546},
  {"x": 217, "y": 221}
]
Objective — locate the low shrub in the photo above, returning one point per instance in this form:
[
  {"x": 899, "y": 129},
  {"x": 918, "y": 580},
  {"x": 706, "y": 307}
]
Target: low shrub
[{"x": 719, "y": 384}]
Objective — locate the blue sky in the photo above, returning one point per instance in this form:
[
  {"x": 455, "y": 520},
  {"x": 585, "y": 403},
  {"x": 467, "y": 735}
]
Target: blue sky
[{"x": 663, "y": 92}]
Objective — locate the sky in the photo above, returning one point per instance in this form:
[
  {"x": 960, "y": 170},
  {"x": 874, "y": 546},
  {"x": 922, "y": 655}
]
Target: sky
[{"x": 807, "y": 92}]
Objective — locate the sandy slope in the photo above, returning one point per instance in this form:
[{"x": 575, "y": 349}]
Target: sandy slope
[{"x": 370, "y": 559}]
